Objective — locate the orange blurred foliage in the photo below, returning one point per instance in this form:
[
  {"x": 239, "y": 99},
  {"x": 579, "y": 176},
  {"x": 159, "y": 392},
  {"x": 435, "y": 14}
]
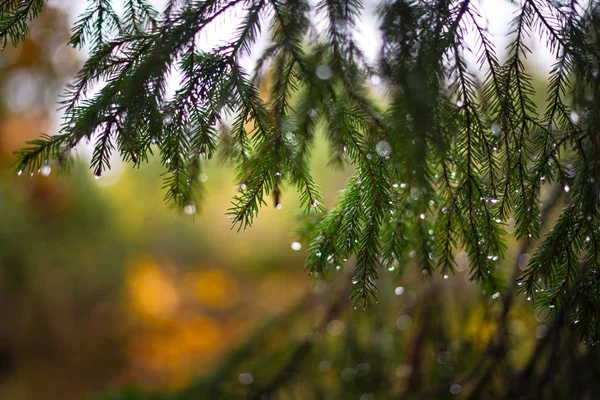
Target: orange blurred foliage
[
  {"x": 174, "y": 338},
  {"x": 214, "y": 288},
  {"x": 152, "y": 294},
  {"x": 176, "y": 351}
]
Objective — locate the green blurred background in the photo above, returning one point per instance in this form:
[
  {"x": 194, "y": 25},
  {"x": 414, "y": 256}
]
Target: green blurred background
[{"x": 103, "y": 286}]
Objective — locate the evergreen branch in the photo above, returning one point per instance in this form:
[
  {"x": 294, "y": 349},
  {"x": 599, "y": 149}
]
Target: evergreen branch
[
  {"x": 96, "y": 25},
  {"x": 323, "y": 253},
  {"x": 140, "y": 16},
  {"x": 470, "y": 156},
  {"x": 42, "y": 151},
  {"x": 14, "y": 18},
  {"x": 248, "y": 31}
]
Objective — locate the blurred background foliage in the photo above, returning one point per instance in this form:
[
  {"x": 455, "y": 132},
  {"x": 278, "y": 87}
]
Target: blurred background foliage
[{"x": 103, "y": 287}]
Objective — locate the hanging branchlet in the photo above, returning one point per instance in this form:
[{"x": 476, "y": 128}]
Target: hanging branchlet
[
  {"x": 99, "y": 24},
  {"x": 14, "y": 19}
]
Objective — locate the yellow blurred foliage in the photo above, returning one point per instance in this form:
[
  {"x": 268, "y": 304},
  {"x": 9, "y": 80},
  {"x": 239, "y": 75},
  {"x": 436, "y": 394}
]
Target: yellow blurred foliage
[
  {"x": 173, "y": 337},
  {"x": 151, "y": 292},
  {"x": 214, "y": 288},
  {"x": 480, "y": 328}
]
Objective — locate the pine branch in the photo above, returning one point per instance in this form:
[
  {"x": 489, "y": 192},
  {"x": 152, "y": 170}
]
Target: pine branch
[
  {"x": 440, "y": 165},
  {"x": 14, "y": 18}
]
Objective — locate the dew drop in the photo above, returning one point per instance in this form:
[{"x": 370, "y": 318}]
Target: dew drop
[
  {"x": 19, "y": 172},
  {"x": 567, "y": 188},
  {"x": 574, "y": 117},
  {"x": 189, "y": 209},
  {"x": 243, "y": 186},
  {"x": 97, "y": 176},
  {"x": 45, "y": 170},
  {"x": 422, "y": 216},
  {"x": 495, "y": 129},
  {"x": 455, "y": 389},
  {"x": 404, "y": 322},
  {"x": 279, "y": 206},
  {"x": 312, "y": 113},
  {"x": 445, "y": 276},
  {"x": 335, "y": 327},
  {"x": 399, "y": 290},
  {"x": 459, "y": 103},
  {"x": 496, "y": 295},
  {"x": 541, "y": 331},
  {"x": 296, "y": 246},
  {"x": 375, "y": 80},
  {"x": 245, "y": 378},
  {"x": 493, "y": 200},
  {"x": 348, "y": 374},
  {"x": 324, "y": 72},
  {"x": 383, "y": 148},
  {"x": 324, "y": 366}
]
